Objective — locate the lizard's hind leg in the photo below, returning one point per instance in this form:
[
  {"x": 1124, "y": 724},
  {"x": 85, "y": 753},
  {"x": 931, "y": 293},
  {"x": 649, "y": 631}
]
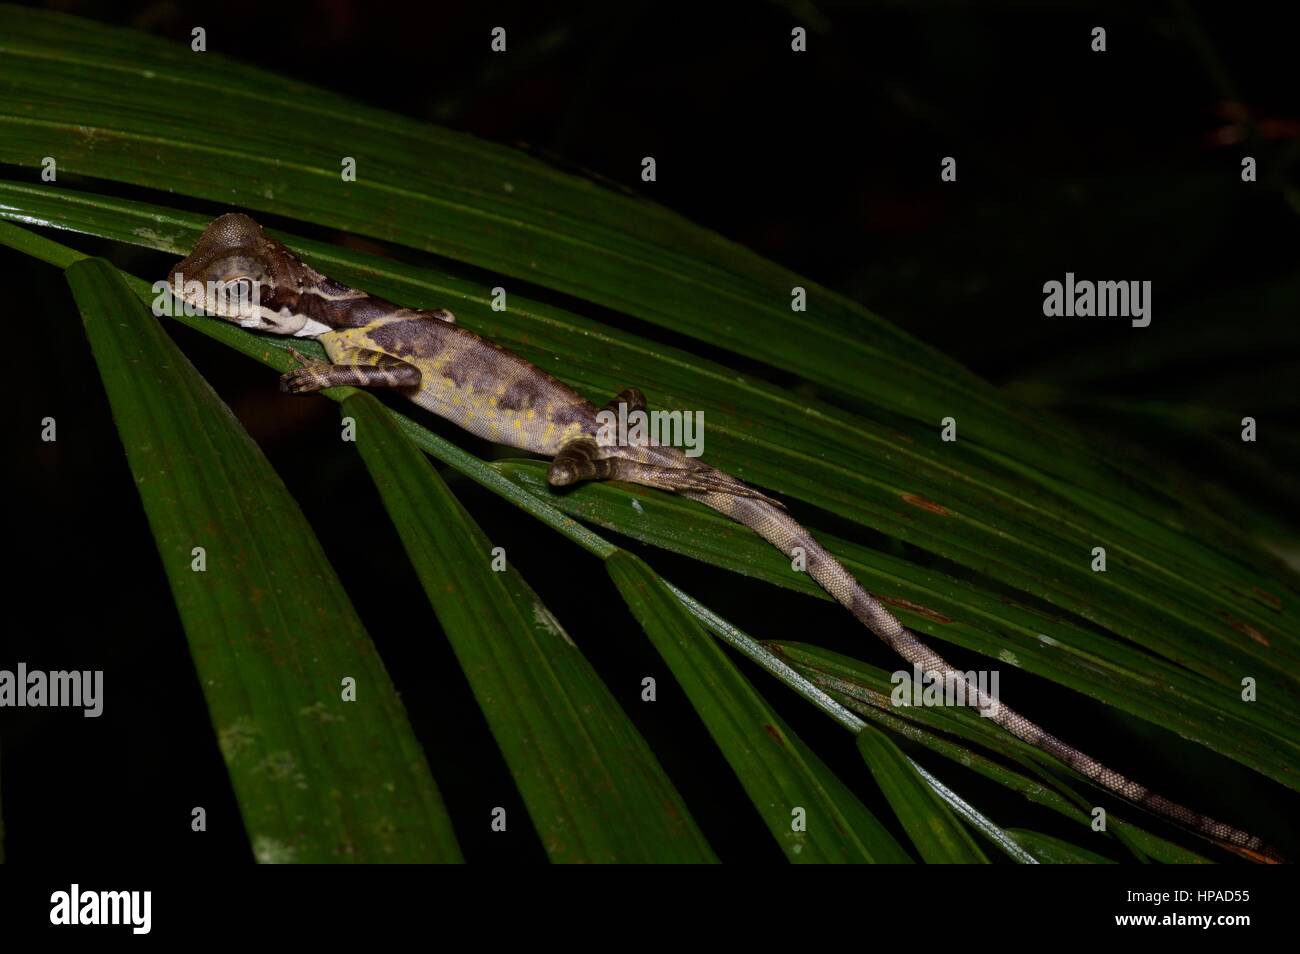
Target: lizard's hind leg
[
  {"x": 576, "y": 461},
  {"x": 580, "y": 460},
  {"x": 632, "y": 397}
]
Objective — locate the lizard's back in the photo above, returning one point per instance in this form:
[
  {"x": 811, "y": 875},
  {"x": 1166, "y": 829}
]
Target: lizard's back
[{"x": 473, "y": 382}]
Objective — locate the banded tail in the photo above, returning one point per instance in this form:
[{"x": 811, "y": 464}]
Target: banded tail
[{"x": 777, "y": 527}]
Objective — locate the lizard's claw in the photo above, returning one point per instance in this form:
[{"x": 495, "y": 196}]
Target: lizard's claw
[
  {"x": 303, "y": 380},
  {"x": 301, "y": 358}
]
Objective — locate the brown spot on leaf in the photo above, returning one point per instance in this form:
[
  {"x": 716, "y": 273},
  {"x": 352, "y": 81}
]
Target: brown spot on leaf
[
  {"x": 916, "y": 608},
  {"x": 1247, "y": 629},
  {"x": 774, "y": 733},
  {"x": 916, "y": 500}
]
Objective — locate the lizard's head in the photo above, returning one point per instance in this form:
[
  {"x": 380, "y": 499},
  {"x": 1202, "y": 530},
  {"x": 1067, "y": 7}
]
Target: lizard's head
[{"x": 238, "y": 273}]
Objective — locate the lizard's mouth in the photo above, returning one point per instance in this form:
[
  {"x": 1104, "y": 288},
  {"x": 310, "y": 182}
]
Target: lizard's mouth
[
  {"x": 237, "y": 301},
  {"x": 241, "y": 307}
]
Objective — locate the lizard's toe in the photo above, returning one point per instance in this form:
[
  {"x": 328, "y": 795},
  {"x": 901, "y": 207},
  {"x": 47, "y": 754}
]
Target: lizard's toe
[{"x": 298, "y": 381}]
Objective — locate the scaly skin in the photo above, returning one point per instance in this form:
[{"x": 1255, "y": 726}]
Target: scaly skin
[{"x": 497, "y": 395}]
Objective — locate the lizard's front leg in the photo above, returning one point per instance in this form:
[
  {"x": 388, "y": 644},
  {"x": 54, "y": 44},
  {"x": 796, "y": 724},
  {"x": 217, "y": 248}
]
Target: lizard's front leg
[{"x": 382, "y": 371}]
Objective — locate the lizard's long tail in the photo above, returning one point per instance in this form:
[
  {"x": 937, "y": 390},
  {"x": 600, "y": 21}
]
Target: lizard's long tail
[{"x": 778, "y": 528}]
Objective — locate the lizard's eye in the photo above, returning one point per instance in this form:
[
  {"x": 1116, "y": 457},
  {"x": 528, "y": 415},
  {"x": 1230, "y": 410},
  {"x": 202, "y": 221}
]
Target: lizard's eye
[{"x": 238, "y": 294}]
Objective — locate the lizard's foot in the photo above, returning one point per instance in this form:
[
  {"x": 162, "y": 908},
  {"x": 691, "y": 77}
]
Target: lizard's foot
[{"x": 305, "y": 380}]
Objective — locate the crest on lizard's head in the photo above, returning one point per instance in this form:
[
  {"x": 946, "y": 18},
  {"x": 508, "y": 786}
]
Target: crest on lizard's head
[{"x": 239, "y": 273}]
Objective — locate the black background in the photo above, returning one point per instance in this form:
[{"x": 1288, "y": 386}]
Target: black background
[{"x": 1116, "y": 165}]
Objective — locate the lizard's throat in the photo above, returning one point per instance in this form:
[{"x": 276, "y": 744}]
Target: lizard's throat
[{"x": 291, "y": 323}]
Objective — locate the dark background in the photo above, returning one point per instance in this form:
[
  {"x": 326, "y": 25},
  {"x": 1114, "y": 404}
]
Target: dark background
[{"x": 1120, "y": 165}]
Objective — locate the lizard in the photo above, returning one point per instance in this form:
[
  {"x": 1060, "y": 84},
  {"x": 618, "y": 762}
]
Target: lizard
[{"x": 488, "y": 390}]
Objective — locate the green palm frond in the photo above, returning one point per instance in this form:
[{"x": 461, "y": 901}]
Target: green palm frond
[{"x": 997, "y": 528}]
